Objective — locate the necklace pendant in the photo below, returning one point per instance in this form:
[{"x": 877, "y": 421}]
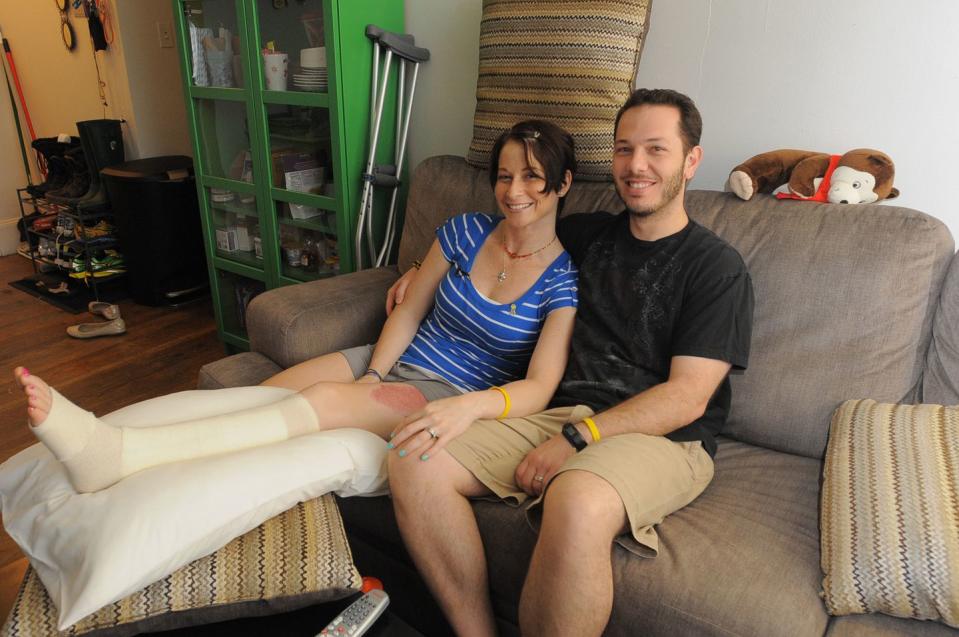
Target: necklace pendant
[{"x": 501, "y": 276}]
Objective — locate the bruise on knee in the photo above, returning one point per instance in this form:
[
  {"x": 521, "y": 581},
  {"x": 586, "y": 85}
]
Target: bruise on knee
[{"x": 403, "y": 399}]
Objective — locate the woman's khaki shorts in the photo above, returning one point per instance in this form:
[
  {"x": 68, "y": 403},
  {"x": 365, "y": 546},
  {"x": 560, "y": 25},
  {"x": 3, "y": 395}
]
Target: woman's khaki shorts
[
  {"x": 432, "y": 386},
  {"x": 653, "y": 475}
]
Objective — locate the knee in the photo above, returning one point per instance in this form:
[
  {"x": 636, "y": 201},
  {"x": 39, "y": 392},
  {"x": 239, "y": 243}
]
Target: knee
[
  {"x": 583, "y": 504},
  {"x": 409, "y": 475}
]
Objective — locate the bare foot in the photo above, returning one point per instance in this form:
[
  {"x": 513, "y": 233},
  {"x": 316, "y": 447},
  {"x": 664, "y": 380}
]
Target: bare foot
[{"x": 38, "y": 395}]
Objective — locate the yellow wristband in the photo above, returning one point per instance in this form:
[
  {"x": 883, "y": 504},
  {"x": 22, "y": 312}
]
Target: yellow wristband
[
  {"x": 593, "y": 429},
  {"x": 509, "y": 403}
]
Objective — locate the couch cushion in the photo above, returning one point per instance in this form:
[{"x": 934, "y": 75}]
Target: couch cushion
[
  {"x": 741, "y": 559},
  {"x": 890, "y": 511},
  {"x": 293, "y": 323},
  {"x": 563, "y": 60},
  {"x": 886, "y": 626},
  {"x": 940, "y": 383},
  {"x": 239, "y": 370},
  {"x": 845, "y": 296}
]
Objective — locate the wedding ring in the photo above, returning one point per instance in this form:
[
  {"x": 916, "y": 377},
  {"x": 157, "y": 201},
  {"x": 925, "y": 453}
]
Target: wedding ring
[
  {"x": 538, "y": 478},
  {"x": 432, "y": 433}
]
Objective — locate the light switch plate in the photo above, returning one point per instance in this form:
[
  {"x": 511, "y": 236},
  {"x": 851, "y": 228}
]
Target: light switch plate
[{"x": 165, "y": 34}]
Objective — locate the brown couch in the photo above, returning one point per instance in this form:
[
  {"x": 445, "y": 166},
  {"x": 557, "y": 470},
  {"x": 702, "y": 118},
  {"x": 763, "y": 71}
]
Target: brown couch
[{"x": 846, "y": 302}]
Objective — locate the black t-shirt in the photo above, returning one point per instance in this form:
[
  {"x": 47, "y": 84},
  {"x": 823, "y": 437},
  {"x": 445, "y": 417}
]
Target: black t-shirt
[{"x": 643, "y": 302}]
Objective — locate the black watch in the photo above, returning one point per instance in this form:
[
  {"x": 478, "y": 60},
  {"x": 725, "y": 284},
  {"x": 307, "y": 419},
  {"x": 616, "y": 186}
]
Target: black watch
[{"x": 573, "y": 437}]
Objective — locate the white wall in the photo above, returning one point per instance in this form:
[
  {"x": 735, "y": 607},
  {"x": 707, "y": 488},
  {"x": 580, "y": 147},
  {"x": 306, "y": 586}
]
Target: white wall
[
  {"x": 817, "y": 74},
  {"x": 158, "y": 123}
]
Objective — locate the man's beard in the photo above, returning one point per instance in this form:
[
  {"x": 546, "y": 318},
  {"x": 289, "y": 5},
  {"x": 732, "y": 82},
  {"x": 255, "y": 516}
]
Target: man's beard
[{"x": 672, "y": 186}]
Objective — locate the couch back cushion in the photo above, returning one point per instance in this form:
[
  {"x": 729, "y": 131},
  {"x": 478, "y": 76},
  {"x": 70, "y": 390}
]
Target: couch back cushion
[
  {"x": 940, "y": 382},
  {"x": 845, "y": 294},
  {"x": 445, "y": 185}
]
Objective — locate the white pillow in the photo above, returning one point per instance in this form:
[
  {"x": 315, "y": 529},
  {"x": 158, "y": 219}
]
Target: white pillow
[{"x": 95, "y": 548}]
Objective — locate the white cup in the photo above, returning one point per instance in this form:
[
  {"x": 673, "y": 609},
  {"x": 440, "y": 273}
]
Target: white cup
[
  {"x": 314, "y": 58},
  {"x": 274, "y": 69}
]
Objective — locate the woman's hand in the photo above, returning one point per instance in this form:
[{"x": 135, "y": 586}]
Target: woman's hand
[
  {"x": 367, "y": 379},
  {"x": 429, "y": 430},
  {"x": 541, "y": 464}
]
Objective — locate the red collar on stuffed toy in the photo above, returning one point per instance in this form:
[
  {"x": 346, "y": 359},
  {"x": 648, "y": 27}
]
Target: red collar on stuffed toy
[{"x": 823, "y": 190}]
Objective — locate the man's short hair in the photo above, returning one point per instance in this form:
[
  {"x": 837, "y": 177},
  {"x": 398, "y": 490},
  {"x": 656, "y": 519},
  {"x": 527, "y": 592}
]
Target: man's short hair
[{"x": 690, "y": 121}]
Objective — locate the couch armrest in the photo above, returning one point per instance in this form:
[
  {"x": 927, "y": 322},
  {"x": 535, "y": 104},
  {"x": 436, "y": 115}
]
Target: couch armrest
[{"x": 294, "y": 323}]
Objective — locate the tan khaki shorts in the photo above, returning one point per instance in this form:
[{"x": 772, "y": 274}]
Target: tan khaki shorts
[
  {"x": 432, "y": 386},
  {"x": 653, "y": 475}
]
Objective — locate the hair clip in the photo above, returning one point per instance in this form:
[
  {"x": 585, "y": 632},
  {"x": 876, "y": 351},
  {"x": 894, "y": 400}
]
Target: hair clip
[{"x": 535, "y": 134}]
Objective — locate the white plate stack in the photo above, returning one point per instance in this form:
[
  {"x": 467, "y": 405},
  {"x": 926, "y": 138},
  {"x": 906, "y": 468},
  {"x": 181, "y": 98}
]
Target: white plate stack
[{"x": 312, "y": 74}]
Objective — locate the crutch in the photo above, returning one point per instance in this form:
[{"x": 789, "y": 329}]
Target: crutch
[{"x": 386, "y": 45}]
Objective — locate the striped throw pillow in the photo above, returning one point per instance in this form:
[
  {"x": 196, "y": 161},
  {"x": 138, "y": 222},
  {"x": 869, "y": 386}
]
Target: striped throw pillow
[
  {"x": 571, "y": 62},
  {"x": 295, "y": 559},
  {"x": 890, "y": 511}
]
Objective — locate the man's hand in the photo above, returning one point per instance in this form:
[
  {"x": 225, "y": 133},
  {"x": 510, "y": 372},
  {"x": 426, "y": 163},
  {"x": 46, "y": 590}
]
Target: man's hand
[
  {"x": 542, "y": 463},
  {"x": 397, "y": 291}
]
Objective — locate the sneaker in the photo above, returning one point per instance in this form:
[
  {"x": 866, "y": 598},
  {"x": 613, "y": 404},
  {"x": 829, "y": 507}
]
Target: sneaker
[{"x": 100, "y": 229}]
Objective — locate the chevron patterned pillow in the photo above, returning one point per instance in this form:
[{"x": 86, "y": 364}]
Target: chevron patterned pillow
[
  {"x": 298, "y": 558},
  {"x": 890, "y": 511},
  {"x": 570, "y": 62}
]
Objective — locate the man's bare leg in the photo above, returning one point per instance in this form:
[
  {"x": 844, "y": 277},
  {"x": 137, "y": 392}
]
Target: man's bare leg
[
  {"x": 569, "y": 587},
  {"x": 440, "y": 532}
]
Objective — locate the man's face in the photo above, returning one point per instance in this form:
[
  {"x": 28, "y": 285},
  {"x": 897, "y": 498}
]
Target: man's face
[{"x": 650, "y": 168}]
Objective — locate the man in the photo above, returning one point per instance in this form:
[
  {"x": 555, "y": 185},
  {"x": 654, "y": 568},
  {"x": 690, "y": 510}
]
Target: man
[{"x": 665, "y": 312}]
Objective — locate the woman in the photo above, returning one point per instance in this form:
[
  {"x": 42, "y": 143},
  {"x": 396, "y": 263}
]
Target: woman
[{"x": 483, "y": 333}]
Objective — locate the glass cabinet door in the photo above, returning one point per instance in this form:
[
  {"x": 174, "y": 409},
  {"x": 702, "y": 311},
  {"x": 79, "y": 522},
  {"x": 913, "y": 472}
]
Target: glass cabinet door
[
  {"x": 236, "y": 226},
  {"x": 224, "y": 139},
  {"x": 292, "y": 45},
  {"x": 215, "y": 43}
]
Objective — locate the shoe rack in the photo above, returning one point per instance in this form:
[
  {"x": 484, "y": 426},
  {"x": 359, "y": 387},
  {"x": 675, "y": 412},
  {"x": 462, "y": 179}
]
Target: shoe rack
[
  {"x": 278, "y": 102},
  {"x": 65, "y": 241}
]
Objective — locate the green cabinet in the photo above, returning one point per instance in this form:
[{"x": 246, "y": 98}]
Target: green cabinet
[{"x": 278, "y": 98}]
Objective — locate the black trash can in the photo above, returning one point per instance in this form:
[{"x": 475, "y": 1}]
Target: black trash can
[{"x": 158, "y": 228}]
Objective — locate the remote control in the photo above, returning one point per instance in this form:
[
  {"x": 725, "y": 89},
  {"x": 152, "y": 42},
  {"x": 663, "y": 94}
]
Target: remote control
[{"x": 358, "y": 616}]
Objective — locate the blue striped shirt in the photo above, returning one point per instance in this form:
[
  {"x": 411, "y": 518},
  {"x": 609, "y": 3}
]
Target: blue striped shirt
[{"x": 474, "y": 342}]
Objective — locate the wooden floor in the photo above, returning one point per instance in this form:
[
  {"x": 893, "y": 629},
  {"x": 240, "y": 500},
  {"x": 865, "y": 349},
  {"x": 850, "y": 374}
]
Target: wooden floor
[{"x": 161, "y": 352}]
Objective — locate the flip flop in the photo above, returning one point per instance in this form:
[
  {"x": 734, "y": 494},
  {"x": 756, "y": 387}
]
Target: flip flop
[{"x": 106, "y": 310}]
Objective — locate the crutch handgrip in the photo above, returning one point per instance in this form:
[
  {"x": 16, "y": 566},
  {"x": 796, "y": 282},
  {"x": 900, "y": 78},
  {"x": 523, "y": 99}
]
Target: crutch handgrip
[
  {"x": 383, "y": 176},
  {"x": 373, "y": 32},
  {"x": 397, "y": 43}
]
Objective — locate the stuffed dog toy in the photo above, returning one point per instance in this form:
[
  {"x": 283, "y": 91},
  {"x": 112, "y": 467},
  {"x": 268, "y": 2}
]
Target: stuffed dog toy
[{"x": 860, "y": 176}]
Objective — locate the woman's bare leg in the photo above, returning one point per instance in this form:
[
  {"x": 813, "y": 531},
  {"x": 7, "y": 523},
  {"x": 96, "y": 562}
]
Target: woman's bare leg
[
  {"x": 97, "y": 455},
  {"x": 330, "y": 368}
]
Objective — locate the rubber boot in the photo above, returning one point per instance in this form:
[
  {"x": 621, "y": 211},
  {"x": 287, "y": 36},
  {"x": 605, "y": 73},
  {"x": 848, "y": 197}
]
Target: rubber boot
[{"x": 103, "y": 146}]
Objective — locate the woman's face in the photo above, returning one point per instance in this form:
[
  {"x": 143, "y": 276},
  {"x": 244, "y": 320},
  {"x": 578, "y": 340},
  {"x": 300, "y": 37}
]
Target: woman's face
[{"x": 519, "y": 187}]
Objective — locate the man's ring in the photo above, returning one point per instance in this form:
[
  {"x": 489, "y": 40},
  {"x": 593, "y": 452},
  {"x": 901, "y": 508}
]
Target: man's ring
[
  {"x": 538, "y": 478},
  {"x": 432, "y": 433}
]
